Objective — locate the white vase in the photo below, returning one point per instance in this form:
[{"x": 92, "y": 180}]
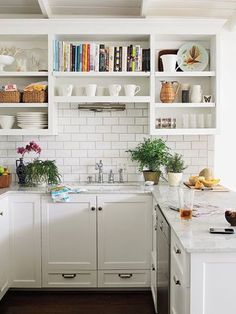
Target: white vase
[
  {"x": 196, "y": 94},
  {"x": 175, "y": 179},
  {"x": 5, "y": 60}
]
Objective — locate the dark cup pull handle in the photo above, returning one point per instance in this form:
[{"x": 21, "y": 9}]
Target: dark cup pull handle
[
  {"x": 125, "y": 276},
  {"x": 100, "y": 208},
  {"x": 68, "y": 276}
]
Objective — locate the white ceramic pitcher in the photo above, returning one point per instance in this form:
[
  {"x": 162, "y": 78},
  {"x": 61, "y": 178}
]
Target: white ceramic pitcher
[{"x": 169, "y": 62}]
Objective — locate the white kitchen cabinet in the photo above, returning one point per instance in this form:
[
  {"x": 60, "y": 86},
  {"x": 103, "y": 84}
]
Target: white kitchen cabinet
[
  {"x": 179, "y": 278},
  {"x": 69, "y": 241},
  {"x": 4, "y": 246},
  {"x": 124, "y": 231},
  {"x": 25, "y": 240}
]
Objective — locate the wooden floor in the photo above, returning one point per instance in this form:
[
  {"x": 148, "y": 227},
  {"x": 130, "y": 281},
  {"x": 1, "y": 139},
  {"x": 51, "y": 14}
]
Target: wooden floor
[{"x": 25, "y": 302}]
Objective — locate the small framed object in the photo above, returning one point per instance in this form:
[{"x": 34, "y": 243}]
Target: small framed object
[{"x": 207, "y": 98}]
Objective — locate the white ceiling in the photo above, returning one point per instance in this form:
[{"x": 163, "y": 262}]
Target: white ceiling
[{"x": 117, "y": 8}]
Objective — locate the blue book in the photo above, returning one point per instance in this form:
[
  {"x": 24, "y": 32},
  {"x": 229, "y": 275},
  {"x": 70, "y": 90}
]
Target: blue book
[{"x": 78, "y": 58}]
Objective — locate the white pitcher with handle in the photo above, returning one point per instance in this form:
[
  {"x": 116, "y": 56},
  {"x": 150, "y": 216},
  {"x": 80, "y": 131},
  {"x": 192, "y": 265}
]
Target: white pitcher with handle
[{"x": 169, "y": 62}]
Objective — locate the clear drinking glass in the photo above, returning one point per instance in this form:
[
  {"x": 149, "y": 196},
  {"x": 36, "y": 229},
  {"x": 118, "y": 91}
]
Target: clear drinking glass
[{"x": 186, "y": 197}]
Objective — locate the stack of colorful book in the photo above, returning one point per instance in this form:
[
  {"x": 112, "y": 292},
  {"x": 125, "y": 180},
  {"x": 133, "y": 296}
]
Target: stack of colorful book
[{"x": 86, "y": 57}]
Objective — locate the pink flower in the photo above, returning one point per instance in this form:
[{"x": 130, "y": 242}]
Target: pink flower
[{"x": 31, "y": 147}]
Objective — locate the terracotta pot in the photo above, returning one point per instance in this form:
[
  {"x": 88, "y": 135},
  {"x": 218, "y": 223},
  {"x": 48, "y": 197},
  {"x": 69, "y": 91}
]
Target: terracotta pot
[
  {"x": 169, "y": 91},
  {"x": 152, "y": 176},
  {"x": 174, "y": 179}
]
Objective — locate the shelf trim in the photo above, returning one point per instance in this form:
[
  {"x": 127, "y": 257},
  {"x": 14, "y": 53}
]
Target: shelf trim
[
  {"x": 100, "y": 74},
  {"x": 96, "y": 99},
  {"x": 179, "y": 131},
  {"x": 23, "y": 105},
  {"x": 185, "y": 105},
  {"x": 22, "y": 74},
  {"x": 186, "y": 74}
]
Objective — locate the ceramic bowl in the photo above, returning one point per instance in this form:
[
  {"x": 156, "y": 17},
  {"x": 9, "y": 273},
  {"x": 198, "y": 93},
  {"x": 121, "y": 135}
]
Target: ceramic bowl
[
  {"x": 5, "y": 60},
  {"x": 7, "y": 122},
  {"x": 230, "y": 216}
]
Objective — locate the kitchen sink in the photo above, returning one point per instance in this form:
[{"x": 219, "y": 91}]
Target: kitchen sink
[{"x": 109, "y": 187}]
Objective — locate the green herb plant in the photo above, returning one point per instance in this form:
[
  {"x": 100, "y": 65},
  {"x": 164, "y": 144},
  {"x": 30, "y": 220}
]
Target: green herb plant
[
  {"x": 175, "y": 163},
  {"x": 150, "y": 155},
  {"x": 42, "y": 171}
]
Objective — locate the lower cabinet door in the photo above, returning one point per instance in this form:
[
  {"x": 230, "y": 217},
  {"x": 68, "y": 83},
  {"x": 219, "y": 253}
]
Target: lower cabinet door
[
  {"x": 154, "y": 280},
  {"x": 124, "y": 231},
  {"x": 77, "y": 279},
  {"x": 25, "y": 240},
  {"x": 69, "y": 236},
  {"x": 4, "y": 246},
  {"x": 122, "y": 279}
]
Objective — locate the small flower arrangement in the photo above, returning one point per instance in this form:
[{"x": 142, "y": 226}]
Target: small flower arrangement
[{"x": 31, "y": 147}]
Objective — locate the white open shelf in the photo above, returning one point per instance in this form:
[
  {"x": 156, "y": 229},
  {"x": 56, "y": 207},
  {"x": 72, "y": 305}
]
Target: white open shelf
[
  {"x": 107, "y": 99},
  {"x": 101, "y": 74},
  {"x": 22, "y": 74},
  {"x": 25, "y": 132},
  {"x": 185, "y": 105},
  {"x": 23, "y": 105},
  {"x": 185, "y": 74},
  {"x": 203, "y": 131}
]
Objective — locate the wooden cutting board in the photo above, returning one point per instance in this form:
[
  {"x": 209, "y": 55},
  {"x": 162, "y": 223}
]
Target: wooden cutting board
[{"x": 216, "y": 188}]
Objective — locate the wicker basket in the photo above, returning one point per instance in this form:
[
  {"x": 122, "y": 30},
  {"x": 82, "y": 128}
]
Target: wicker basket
[
  {"x": 10, "y": 96},
  {"x": 35, "y": 96},
  {"x": 5, "y": 181}
]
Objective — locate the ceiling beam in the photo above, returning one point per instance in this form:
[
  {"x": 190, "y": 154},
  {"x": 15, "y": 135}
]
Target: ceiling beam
[
  {"x": 45, "y": 8},
  {"x": 144, "y": 8}
]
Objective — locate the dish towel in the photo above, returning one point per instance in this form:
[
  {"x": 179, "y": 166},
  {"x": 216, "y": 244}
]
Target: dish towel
[{"x": 61, "y": 193}]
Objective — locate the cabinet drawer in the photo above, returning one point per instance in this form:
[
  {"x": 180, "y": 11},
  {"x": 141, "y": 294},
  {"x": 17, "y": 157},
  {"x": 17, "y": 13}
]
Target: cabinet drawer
[
  {"x": 121, "y": 278},
  {"x": 73, "y": 279},
  {"x": 179, "y": 273},
  {"x": 178, "y": 252}
]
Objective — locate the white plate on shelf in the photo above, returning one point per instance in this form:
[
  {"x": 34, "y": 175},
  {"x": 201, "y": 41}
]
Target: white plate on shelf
[
  {"x": 192, "y": 57},
  {"x": 22, "y": 126}
]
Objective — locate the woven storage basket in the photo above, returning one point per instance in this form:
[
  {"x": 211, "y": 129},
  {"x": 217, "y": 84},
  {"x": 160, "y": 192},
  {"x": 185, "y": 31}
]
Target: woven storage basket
[
  {"x": 5, "y": 181},
  {"x": 10, "y": 96},
  {"x": 35, "y": 96}
]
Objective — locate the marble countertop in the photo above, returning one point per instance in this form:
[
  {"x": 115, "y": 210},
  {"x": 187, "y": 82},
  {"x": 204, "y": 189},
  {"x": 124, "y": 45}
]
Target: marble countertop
[{"x": 194, "y": 234}]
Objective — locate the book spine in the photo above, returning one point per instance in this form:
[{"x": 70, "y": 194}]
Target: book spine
[
  {"x": 140, "y": 60},
  {"x": 116, "y": 59},
  {"x": 54, "y": 55},
  {"x": 67, "y": 57},
  {"x": 124, "y": 59},
  {"x": 137, "y": 51},
  {"x": 148, "y": 59},
  {"x": 102, "y": 67},
  {"x": 143, "y": 60},
  {"x": 120, "y": 58},
  {"x": 92, "y": 56},
  {"x": 70, "y": 62},
  {"x": 80, "y": 57},
  {"x": 61, "y": 66},
  {"x": 83, "y": 57},
  {"x": 107, "y": 59},
  {"x": 111, "y": 59},
  {"x": 133, "y": 54},
  {"x": 73, "y": 58},
  {"x": 96, "y": 58},
  {"x": 88, "y": 57}
]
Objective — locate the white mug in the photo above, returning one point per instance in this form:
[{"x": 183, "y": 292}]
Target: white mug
[
  {"x": 65, "y": 90},
  {"x": 90, "y": 89},
  {"x": 78, "y": 90},
  {"x": 185, "y": 121},
  {"x": 200, "y": 120},
  {"x": 100, "y": 91},
  {"x": 169, "y": 62},
  {"x": 193, "y": 121},
  {"x": 131, "y": 89},
  {"x": 114, "y": 89}
]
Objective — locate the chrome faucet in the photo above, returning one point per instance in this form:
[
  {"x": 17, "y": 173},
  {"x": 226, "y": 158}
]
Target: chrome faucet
[
  {"x": 121, "y": 175},
  {"x": 99, "y": 167},
  {"x": 111, "y": 178}
]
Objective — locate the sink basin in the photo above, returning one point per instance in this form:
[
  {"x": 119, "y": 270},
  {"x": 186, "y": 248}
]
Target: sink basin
[{"x": 110, "y": 187}]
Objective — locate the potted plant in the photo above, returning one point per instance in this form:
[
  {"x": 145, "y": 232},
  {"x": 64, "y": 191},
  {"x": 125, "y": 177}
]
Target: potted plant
[
  {"x": 175, "y": 167},
  {"x": 151, "y": 154},
  {"x": 42, "y": 172}
]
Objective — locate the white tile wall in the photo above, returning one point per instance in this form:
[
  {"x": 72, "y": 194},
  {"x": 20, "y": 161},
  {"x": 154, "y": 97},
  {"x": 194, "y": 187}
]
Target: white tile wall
[{"x": 86, "y": 137}]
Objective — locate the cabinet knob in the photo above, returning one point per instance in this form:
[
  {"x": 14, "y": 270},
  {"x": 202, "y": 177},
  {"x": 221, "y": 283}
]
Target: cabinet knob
[
  {"x": 68, "y": 276},
  {"x": 125, "y": 276},
  {"x": 1, "y": 213},
  {"x": 93, "y": 208},
  {"x": 100, "y": 208},
  {"x": 153, "y": 267},
  {"x": 176, "y": 281},
  {"x": 177, "y": 250}
]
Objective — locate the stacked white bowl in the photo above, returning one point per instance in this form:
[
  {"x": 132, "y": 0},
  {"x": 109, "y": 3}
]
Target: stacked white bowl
[{"x": 7, "y": 122}]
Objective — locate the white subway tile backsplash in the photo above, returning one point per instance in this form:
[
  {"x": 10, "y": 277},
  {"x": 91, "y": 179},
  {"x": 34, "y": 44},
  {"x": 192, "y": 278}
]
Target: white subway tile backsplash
[{"x": 86, "y": 137}]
